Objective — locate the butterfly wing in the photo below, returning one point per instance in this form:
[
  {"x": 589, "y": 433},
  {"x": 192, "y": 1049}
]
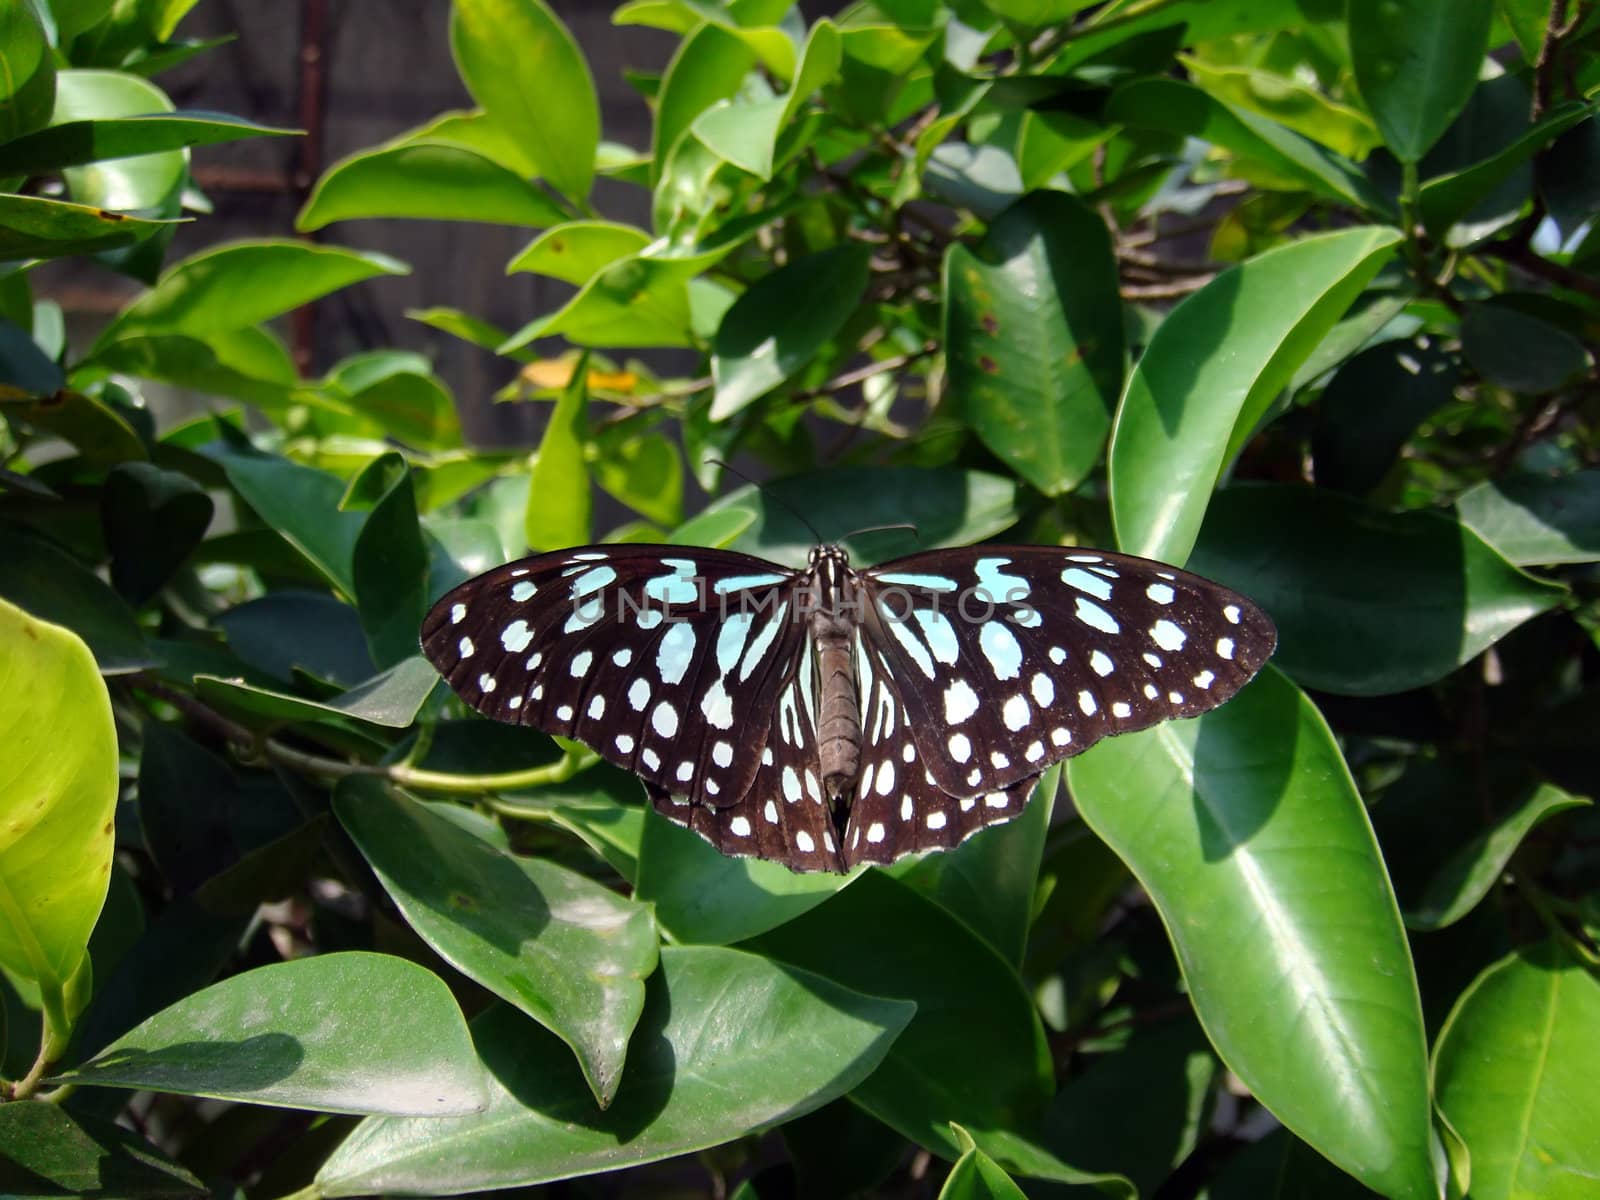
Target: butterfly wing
[
  {"x": 782, "y": 815},
  {"x": 660, "y": 657},
  {"x": 900, "y": 808},
  {"x": 1007, "y": 659}
]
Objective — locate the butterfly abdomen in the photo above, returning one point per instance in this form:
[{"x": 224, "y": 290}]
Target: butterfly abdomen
[{"x": 838, "y": 706}]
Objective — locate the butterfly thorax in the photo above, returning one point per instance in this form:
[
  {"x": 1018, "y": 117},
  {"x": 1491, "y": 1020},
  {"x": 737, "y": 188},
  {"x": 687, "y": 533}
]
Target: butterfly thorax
[{"x": 834, "y": 601}]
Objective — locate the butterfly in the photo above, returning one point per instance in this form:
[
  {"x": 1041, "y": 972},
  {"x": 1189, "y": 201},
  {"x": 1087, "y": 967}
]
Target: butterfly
[{"x": 834, "y": 716}]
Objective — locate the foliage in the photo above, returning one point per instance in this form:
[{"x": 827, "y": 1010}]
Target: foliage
[{"x": 1304, "y": 295}]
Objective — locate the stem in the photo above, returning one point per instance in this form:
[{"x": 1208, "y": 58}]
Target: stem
[
  {"x": 859, "y": 374},
  {"x": 1410, "y": 221}
]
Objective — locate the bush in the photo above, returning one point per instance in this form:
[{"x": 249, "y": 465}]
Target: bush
[{"x": 251, "y": 851}]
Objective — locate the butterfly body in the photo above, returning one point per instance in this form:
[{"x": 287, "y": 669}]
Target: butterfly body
[{"x": 833, "y": 715}]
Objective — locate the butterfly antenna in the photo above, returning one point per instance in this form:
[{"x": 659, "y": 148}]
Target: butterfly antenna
[
  {"x": 906, "y": 525},
  {"x": 771, "y": 495}
]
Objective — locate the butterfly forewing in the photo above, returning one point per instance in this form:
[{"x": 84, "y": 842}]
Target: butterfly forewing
[
  {"x": 1011, "y": 660},
  {"x": 661, "y": 659}
]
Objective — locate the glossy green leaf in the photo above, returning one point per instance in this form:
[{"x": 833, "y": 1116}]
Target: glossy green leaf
[
  {"x": 1519, "y": 351},
  {"x": 976, "y": 1176},
  {"x": 1373, "y": 405},
  {"x": 1366, "y": 602},
  {"x": 708, "y": 66},
  {"x": 33, "y": 227},
  {"x": 560, "y": 502},
  {"x": 1536, "y": 520},
  {"x": 781, "y": 323},
  {"x": 392, "y": 699},
  {"x": 291, "y": 634},
  {"x": 301, "y": 503},
  {"x": 728, "y": 1044},
  {"x": 1416, "y": 62},
  {"x": 98, "y": 431},
  {"x": 948, "y": 507},
  {"x": 142, "y": 181},
  {"x": 1514, "y": 1071},
  {"x": 1167, "y": 1074},
  {"x": 153, "y": 520},
  {"x": 398, "y": 391},
  {"x": 578, "y": 250},
  {"x": 704, "y": 897},
  {"x": 248, "y": 364},
  {"x": 744, "y": 134},
  {"x": 390, "y": 560},
  {"x": 1211, "y": 371},
  {"x": 1294, "y": 103},
  {"x": 521, "y": 65},
  {"x": 24, "y": 367},
  {"x": 427, "y": 181},
  {"x": 1035, "y": 14},
  {"x": 989, "y": 883},
  {"x": 566, "y": 951},
  {"x": 347, "y": 1032},
  {"x": 243, "y": 283},
  {"x": 1175, "y": 107},
  {"x": 27, "y": 72},
  {"x": 1466, "y": 877},
  {"x": 45, "y": 1151},
  {"x": 974, "y": 1019},
  {"x": 48, "y": 582},
  {"x": 644, "y": 471},
  {"x": 74, "y": 143},
  {"x": 475, "y": 130},
  {"x": 58, "y": 788},
  {"x": 1448, "y": 198},
  {"x": 1247, "y": 832},
  {"x": 1033, "y": 338}
]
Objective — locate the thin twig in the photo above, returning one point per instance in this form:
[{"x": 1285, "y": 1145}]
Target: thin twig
[
  {"x": 859, "y": 374},
  {"x": 1527, "y": 261},
  {"x": 1175, "y": 290}
]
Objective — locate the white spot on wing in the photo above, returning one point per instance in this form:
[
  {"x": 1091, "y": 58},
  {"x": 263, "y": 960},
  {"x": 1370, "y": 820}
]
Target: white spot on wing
[
  {"x": 960, "y": 747},
  {"x": 1225, "y": 648},
  {"x": 639, "y": 694},
  {"x": 1095, "y": 617},
  {"x": 1167, "y": 635},
  {"x": 1016, "y": 713},
  {"x": 1160, "y": 593},
  {"x": 1100, "y": 662},
  {"x": 665, "y": 719},
  {"x": 960, "y": 702}
]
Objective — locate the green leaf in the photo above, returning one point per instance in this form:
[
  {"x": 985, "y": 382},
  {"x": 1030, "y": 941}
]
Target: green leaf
[
  {"x": 58, "y": 789},
  {"x": 559, "y": 497},
  {"x": 390, "y": 560},
  {"x": 1167, "y": 1075},
  {"x": 781, "y": 323},
  {"x": 989, "y": 883},
  {"x": 976, "y": 1176},
  {"x": 74, "y": 143},
  {"x": 348, "y": 1032},
  {"x": 1033, "y": 338},
  {"x": 1035, "y": 14},
  {"x": 244, "y": 283},
  {"x": 153, "y": 520},
  {"x": 1297, "y": 104},
  {"x": 475, "y": 130},
  {"x": 1514, "y": 1071},
  {"x": 1373, "y": 405},
  {"x": 1449, "y": 198},
  {"x": 392, "y": 699},
  {"x": 948, "y": 507},
  {"x": 523, "y": 67},
  {"x": 728, "y": 1044},
  {"x": 1416, "y": 62},
  {"x": 248, "y": 364},
  {"x": 27, "y": 72},
  {"x": 566, "y": 951},
  {"x": 974, "y": 1019},
  {"x": 33, "y": 227},
  {"x": 1247, "y": 832},
  {"x": 54, "y": 586},
  {"x": 578, "y": 250},
  {"x": 49, "y": 1152},
  {"x": 1466, "y": 876},
  {"x": 704, "y": 897},
  {"x": 142, "y": 181},
  {"x": 301, "y": 503},
  {"x": 1536, "y": 520},
  {"x": 643, "y": 471},
  {"x": 1174, "y": 107},
  {"x": 1210, "y": 373},
  {"x": 24, "y": 366},
  {"x": 708, "y": 66},
  {"x": 292, "y": 634},
  {"x": 1521, "y": 352},
  {"x": 98, "y": 431},
  {"x": 1366, "y": 602},
  {"x": 397, "y": 391},
  {"x": 429, "y": 181},
  {"x": 743, "y": 133}
]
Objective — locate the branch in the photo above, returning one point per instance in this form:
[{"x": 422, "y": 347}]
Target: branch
[
  {"x": 859, "y": 374},
  {"x": 1175, "y": 290},
  {"x": 261, "y": 746},
  {"x": 1527, "y": 261}
]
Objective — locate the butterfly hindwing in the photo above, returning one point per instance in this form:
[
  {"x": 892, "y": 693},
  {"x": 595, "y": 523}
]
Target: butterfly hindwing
[
  {"x": 1010, "y": 658},
  {"x": 899, "y": 807},
  {"x": 782, "y": 816},
  {"x": 660, "y": 658}
]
